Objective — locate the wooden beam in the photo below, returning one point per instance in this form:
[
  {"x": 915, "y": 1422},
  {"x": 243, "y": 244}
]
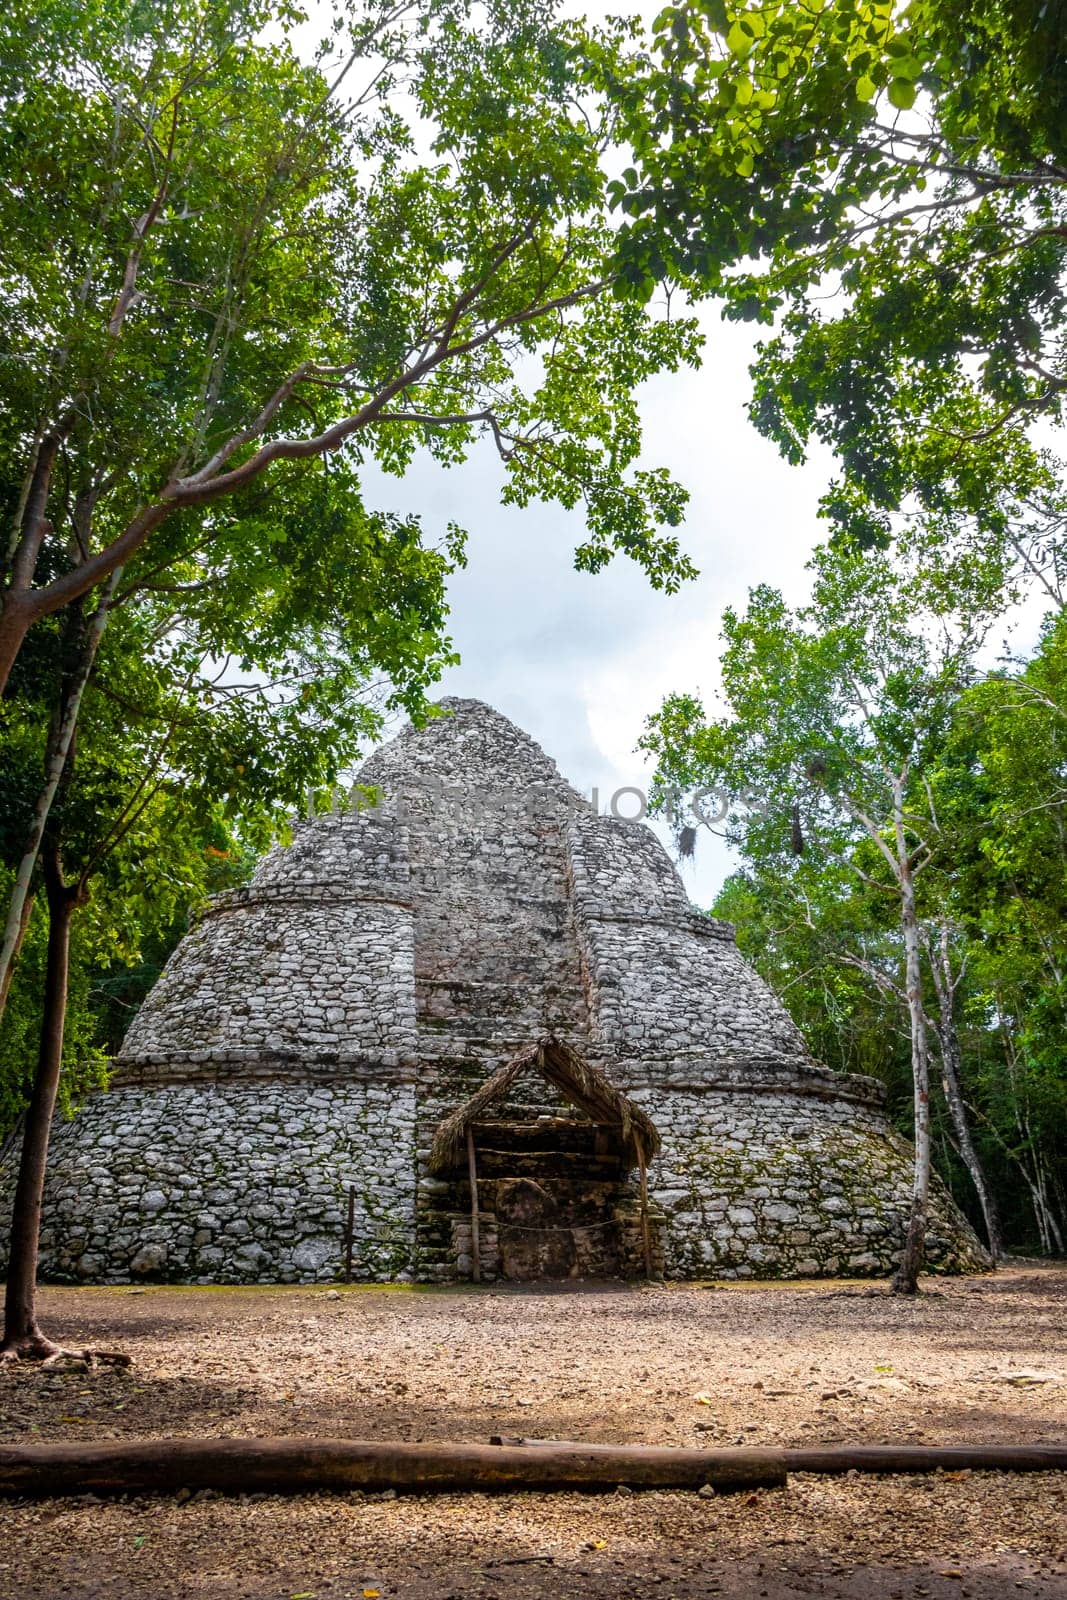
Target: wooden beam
[
  {"x": 476, "y": 1244},
  {"x": 881, "y": 1459},
  {"x": 298, "y": 1466}
]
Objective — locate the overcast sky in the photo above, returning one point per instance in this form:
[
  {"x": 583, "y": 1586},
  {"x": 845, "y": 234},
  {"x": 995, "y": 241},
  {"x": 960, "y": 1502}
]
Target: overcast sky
[{"x": 580, "y": 661}]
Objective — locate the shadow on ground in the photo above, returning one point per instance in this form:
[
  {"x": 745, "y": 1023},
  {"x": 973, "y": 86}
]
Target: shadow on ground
[{"x": 974, "y": 1360}]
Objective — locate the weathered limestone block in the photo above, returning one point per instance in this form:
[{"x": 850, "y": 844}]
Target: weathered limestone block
[{"x": 849, "y": 1180}]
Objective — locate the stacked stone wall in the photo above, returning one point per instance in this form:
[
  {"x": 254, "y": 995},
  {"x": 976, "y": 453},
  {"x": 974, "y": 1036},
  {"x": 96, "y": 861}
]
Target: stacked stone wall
[
  {"x": 234, "y": 1183},
  {"x": 315, "y": 954},
  {"x": 360, "y": 845},
  {"x": 269, "y": 972},
  {"x": 663, "y": 980},
  {"x": 781, "y": 1184},
  {"x": 664, "y": 991},
  {"x": 496, "y": 959}
]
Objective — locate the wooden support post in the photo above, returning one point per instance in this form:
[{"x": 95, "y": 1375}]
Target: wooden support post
[
  {"x": 476, "y": 1243},
  {"x": 350, "y": 1232},
  {"x": 646, "y": 1239}
]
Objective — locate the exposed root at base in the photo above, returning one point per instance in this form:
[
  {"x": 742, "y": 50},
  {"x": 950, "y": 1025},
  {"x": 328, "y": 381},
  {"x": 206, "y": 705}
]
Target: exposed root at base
[{"x": 36, "y": 1348}]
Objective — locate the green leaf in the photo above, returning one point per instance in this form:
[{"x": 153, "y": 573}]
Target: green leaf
[
  {"x": 738, "y": 42},
  {"x": 902, "y": 93}
]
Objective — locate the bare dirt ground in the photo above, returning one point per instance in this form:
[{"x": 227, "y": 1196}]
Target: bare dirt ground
[{"x": 978, "y": 1359}]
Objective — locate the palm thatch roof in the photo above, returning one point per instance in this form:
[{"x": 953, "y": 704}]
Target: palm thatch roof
[{"x": 585, "y": 1086}]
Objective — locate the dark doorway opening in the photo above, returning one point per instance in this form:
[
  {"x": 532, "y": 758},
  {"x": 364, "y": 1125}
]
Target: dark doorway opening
[
  {"x": 549, "y": 1195},
  {"x": 555, "y": 1187}
]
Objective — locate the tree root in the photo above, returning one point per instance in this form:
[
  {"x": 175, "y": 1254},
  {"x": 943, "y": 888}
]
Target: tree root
[{"x": 35, "y": 1347}]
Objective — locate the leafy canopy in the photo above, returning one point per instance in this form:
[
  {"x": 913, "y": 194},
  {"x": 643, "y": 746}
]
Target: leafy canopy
[
  {"x": 224, "y": 265},
  {"x": 888, "y": 184},
  {"x": 832, "y": 714}
]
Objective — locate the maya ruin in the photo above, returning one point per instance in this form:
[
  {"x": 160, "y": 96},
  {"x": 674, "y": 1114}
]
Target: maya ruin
[{"x": 332, "y": 1049}]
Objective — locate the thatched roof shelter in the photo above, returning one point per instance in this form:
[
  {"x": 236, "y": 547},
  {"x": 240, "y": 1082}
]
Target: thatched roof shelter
[{"x": 585, "y": 1086}]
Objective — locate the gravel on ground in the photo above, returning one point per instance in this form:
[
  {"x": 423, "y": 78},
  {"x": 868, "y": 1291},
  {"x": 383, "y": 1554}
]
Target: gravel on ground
[{"x": 787, "y": 1363}]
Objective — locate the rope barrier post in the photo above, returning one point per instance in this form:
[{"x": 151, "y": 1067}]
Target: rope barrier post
[
  {"x": 350, "y": 1231},
  {"x": 646, "y": 1239},
  {"x": 476, "y": 1246}
]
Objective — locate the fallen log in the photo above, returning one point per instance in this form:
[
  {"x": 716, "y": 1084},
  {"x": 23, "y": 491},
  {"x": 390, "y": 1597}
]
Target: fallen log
[
  {"x": 298, "y": 1466},
  {"x": 886, "y": 1458},
  {"x": 301, "y": 1466},
  {"x": 892, "y": 1458}
]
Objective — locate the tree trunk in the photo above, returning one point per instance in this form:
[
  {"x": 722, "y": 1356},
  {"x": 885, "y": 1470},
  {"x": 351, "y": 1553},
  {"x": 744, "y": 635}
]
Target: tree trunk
[
  {"x": 21, "y": 1333},
  {"x": 24, "y": 921},
  {"x": 950, "y": 1082},
  {"x": 906, "y": 1278},
  {"x": 951, "y": 1077},
  {"x": 13, "y": 630},
  {"x": 83, "y": 640},
  {"x": 301, "y": 1466}
]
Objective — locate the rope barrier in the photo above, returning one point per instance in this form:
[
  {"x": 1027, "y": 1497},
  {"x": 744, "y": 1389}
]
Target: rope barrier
[{"x": 575, "y": 1227}]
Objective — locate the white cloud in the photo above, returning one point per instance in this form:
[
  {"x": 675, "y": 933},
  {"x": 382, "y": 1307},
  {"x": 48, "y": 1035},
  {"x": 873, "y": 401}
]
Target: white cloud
[
  {"x": 581, "y": 661},
  {"x": 578, "y": 661}
]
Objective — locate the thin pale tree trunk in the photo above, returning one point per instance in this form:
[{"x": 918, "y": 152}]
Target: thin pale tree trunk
[
  {"x": 24, "y": 922},
  {"x": 906, "y": 1278},
  {"x": 61, "y": 735},
  {"x": 951, "y": 1078}
]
